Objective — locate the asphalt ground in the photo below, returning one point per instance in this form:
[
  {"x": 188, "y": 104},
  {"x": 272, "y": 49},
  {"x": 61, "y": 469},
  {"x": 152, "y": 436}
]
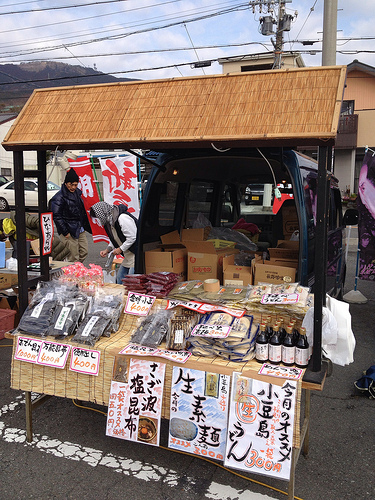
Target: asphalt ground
[{"x": 70, "y": 456}]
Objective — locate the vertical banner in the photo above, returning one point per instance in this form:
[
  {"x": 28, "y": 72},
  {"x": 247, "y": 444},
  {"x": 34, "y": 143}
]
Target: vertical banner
[
  {"x": 46, "y": 223},
  {"x": 260, "y": 430},
  {"x": 120, "y": 182},
  {"x": 366, "y": 222},
  {"x": 90, "y": 194},
  {"x": 199, "y": 412},
  {"x": 134, "y": 409}
]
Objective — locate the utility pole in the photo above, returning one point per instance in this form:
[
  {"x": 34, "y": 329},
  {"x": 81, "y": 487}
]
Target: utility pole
[
  {"x": 329, "y": 33},
  {"x": 283, "y": 23}
]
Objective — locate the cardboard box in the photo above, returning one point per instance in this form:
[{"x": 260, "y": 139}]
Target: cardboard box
[
  {"x": 236, "y": 275},
  {"x": 7, "y": 280},
  {"x": 269, "y": 273},
  {"x": 284, "y": 262},
  {"x": 166, "y": 259},
  {"x": 290, "y": 221},
  {"x": 205, "y": 261}
]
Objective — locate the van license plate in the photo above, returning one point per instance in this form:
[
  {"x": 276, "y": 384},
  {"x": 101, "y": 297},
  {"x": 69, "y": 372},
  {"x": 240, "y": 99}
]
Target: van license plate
[{"x": 255, "y": 198}]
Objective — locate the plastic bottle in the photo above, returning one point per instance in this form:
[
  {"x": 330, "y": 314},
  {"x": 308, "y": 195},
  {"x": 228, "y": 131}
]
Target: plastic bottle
[
  {"x": 288, "y": 348},
  {"x": 274, "y": 349},
  {"x": 302, "y": 349},
  {"x": 261, "y": 345}
]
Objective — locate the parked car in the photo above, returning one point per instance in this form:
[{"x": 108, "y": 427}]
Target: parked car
[
  {"x": 254, "y": 194},
  {"x": 3, "y": 180},
  {"x": 7, "y": 194}
]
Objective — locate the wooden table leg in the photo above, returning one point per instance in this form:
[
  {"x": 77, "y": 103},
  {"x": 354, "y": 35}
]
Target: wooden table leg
[
  {"x": 29, "y": 417},
  {"x": 307, "y": 420}
]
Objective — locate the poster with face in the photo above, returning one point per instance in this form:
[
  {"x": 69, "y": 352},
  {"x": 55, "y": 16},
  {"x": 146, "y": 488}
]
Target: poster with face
[{"x": 366, "y": 222}]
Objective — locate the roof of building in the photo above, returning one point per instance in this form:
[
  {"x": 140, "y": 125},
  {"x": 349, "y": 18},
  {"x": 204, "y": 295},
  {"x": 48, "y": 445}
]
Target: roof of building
[
  {"x": 6, "y": 117},
  {"x": 280, "y": 107},
  {"x": 359, "y": 66}
]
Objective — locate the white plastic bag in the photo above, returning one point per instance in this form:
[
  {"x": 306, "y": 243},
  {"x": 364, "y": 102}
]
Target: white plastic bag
[
  {"x": 12, "y": 264},
  {"x": 338, "y": 340}
]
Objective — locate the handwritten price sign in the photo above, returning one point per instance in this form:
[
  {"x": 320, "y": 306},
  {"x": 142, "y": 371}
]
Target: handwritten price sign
[
  {"x": 27, "y": 349},
  {"x": 139, "y": 304},
  {"x": 215, "y": 331},
  {"x": 53, "y": 354},
  {"x": 280, "y": 298},
  {"x": 85, "y": 361}
]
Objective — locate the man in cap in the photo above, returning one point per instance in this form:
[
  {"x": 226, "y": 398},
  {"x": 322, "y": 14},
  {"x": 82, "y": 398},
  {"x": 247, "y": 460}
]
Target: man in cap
[{"x": 70, "y": 217}]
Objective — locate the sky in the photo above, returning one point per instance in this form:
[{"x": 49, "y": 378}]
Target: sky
[{"x": 153, "y": 39}]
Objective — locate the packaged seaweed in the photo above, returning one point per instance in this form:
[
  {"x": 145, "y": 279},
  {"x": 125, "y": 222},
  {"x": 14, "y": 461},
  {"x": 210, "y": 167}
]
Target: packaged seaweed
[
  {"x": 67, "y": 316},
  {"x": 153, "y": 329},
  {"x": 37, "y": 317},
  {"x": 110, "y": 301},
  {"x": 92, "y": 328}
]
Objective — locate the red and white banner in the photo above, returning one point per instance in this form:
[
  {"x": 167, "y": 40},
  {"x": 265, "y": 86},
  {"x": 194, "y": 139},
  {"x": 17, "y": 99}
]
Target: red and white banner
[
  {"x": 90, "y": 196},
  {"x": 120, "y": 182}
]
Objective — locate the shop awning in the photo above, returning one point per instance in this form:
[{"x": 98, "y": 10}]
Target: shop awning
[{"x": 290, "y": 107}]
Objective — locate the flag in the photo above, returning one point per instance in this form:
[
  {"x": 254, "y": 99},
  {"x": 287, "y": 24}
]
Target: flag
[
  {"x": 90, "y": 196},
  {"x": 366, "y": 218},
  {"x": 120, "y": 182}
]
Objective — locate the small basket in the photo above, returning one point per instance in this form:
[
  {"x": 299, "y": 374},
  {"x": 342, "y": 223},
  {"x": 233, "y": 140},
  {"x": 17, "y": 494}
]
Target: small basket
[{"x": 6, "y": 321}]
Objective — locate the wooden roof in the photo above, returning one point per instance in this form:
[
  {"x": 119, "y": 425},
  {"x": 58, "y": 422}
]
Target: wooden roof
[{"x": 289, "y": 107}]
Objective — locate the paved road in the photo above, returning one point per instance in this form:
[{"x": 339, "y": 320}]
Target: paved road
[{"x": 71, "y": 457}]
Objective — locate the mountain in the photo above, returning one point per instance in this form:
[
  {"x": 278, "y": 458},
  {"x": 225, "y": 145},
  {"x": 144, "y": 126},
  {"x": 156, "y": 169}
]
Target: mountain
[{"x": 17, "y": 81}]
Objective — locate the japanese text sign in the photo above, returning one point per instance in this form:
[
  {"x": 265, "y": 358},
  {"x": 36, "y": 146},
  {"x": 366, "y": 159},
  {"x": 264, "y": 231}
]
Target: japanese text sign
[
  {"x": 291, "y": 373},
  {"x": 85, "y": 361},
  {"x": 260, "y": 430},
  {"x": 27, "y": 349},
  {"x": 134, "y": 408},
  {"x": 139, "y": 304},
  {"x": 53, "y": 354},
  {"x": 46, "y": 224},
  {"x": 280, "y": 298},
  {"x": 215, "y": 331},
  {"x": 140, "y": 350},
  {"x": 120, "y": 182},
  {"x": 199, "y": 412},
  {"x": 204, "y": 308}
]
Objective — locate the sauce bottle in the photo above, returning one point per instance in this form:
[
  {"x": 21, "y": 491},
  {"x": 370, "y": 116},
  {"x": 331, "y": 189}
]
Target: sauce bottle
[
  {"x": 261, "y": 345},
  {"x": 302, "y": 349},
  {"x": 288, "y": 348},
  {"x": 274, "y": 349}
]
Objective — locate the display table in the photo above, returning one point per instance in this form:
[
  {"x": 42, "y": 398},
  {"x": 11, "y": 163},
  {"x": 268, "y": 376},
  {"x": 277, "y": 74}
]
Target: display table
[{"x": 48, "y": 381}]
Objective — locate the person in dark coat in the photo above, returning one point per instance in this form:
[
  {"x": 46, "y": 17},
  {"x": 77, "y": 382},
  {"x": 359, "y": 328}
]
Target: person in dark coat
[{"x": 70, "y": 217}]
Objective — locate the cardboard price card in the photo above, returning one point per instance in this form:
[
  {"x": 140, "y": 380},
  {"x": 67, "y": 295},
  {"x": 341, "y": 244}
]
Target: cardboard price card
[
  {"x": 85, "y": 361},
  {"x": 237, "y": 313},
  {"x": 280, "y": 298},
  {"x": 27, "y": 349},
  {"x": 199, "y": 412},
  {"x": 176, "y": 356},
  {"x": 260, "y": 429},
  {"x": 53, "y": 354},
  {"x": 138, "y": 350},
  {"x": 139, "y": 304},
  {"x": 134, "y": 409},
  {"x": 194, "y": 306},
  {"x": 215, "y": 331}
]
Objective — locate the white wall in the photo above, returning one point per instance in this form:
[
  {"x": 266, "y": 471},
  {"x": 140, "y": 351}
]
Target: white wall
[
  {"x": 6, "y": 157},
  {"x": 344, "y": 168}
]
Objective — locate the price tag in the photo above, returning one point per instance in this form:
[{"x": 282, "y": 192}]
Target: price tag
[
  {"x": 194, "y": 306},
  {"x": 85, "y": 361},
  {"x": 280, "y": 298},
  {"x": 237, "y": 313},
  {"x": 53, "y": 354},
  {"x": 139, "y": 304},
  {"x": 292, "y": 373},
  {"x": 138, "y": 350},
  {"x": 215, "y": 331},
  {"x": 176, "y": 356},
  {"x": 27, "y": 349}
]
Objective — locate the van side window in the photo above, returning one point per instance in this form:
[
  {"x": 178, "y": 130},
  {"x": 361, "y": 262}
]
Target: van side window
[
  {"x": 168, "y": 197},
  {"x": 199, "y": 201}
]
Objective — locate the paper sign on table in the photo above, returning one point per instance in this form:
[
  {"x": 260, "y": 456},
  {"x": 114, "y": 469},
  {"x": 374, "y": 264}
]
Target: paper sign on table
[
  {"x": 140, "y": 350},
  {"x": 139, "y": 304},
  {"x": 280, "y": 298},
  {"x": 134, "y": 409},
  {"x": 85, "y": 361},
  {"x": 291, "y": 373},
  {"x": 204, "y": 308},
  {"x": 198, "y": 412},
  {"x": 214, "y": 331},
  {"x": 27, "y": 349},
  {"x": 260, "y": 429},
  {"x": 53, "y": 354}
]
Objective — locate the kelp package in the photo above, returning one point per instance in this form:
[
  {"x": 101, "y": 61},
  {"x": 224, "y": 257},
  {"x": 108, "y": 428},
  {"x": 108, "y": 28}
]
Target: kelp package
[
  {"x": 67, "y": 316},
  {"x": 37, "y": 318},
  {"x": 153, "y": 329},
  {"x": 109, "y": 301},
  {"x": 92, "y": 328}
]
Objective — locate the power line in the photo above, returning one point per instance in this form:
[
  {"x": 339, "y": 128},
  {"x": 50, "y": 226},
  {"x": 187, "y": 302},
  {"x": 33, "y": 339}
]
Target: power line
[{"x": 60, "y": 7}]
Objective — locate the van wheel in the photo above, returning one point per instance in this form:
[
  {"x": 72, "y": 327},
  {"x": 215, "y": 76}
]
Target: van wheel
[{"x": 4, "y": 207}]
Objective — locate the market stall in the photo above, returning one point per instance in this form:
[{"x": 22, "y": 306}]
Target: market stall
[{"x": 304, "y": 111}]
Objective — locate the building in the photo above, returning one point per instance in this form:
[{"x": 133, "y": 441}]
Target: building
[{"x": 260, "y": 62}]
